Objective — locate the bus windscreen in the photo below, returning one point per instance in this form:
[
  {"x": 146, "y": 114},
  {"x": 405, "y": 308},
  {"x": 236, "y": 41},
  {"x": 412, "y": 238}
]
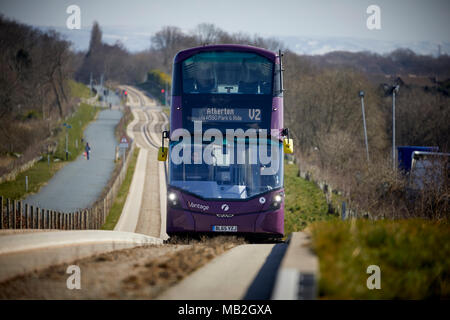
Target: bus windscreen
[{"x": 227, "y": 73}]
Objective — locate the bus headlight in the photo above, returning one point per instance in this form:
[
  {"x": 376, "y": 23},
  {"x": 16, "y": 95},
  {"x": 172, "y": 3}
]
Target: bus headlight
[
  {"x": 172, "y": 200},
  {"x": 276, "y": 201},
  {"x": 172, "y": 196}
]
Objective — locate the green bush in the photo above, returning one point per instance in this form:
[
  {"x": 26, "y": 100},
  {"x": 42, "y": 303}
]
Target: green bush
[{"x": 413, "y": 256}]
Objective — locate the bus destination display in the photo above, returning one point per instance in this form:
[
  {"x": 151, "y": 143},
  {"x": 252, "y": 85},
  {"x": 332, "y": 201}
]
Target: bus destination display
[{"x": 212, "y": 114}]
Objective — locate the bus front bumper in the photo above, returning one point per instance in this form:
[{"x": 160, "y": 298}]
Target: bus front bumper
[{"x": 268, "y": 222}]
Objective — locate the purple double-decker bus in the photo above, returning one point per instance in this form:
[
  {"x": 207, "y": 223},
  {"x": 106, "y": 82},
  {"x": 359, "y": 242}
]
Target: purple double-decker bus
[{"x": 226, "y": 142}]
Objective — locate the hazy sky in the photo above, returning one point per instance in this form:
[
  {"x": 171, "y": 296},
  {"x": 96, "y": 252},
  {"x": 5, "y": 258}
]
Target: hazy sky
[{"x": 401, "y": 20}]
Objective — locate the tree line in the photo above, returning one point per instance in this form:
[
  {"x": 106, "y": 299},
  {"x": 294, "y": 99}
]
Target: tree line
[{"x": 35, "y": 69}]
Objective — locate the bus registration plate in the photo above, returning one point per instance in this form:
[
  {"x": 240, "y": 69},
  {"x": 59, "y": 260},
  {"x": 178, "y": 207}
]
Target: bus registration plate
[{"x": 225, "y": 228}]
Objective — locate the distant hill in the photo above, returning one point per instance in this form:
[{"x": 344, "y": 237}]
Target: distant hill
[
  {"x": 137, "y": 39},
  {"x": 323, "y": 45},
  {"x": 401, "y": 62}
]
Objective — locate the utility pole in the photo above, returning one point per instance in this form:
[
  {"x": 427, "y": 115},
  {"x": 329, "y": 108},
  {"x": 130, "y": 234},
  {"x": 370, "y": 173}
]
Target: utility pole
[
  {"x": 394, "y": 91},
  {"x": 361, "y": 94},
  {"x": 101, "y": 89},
  {"x": 67, "y": 126},
  {"x": 90, "y": 82}
]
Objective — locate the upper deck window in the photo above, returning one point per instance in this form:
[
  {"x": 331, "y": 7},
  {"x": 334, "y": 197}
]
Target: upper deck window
[{"x": 227, "y": 73}]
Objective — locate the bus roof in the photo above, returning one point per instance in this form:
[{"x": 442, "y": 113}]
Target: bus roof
[{"x": 182, "y": 55}]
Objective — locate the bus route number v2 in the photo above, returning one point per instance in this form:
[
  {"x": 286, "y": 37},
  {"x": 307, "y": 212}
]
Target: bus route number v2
[{"x": 254, "y": 114}]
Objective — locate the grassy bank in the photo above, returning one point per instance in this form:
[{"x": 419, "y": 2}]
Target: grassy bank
[
  {"x": 119, "y": 202},
  {"x": 305, "y": 202},
  {"x": 42, "y": 171},
  {"x": 79, "y": 90},
  {"x": 413, "y": 256}
]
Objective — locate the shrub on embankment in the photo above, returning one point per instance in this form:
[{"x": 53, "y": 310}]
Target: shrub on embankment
[{"x": 413, "y": 256}]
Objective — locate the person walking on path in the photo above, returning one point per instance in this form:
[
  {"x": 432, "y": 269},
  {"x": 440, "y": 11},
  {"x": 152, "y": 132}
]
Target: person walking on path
[{"x": 87, "y": 149}]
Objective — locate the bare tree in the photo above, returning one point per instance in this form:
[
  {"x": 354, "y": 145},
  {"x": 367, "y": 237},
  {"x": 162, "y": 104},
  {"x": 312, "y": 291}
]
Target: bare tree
[{"x": 169, "y": 41}]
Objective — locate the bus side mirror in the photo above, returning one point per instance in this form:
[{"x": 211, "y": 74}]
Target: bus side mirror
[
  {"x": 288, "y": 146},
  {"x": 162, "y": 153}
]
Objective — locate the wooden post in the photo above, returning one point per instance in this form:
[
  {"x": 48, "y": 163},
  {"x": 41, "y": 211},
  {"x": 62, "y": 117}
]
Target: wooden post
[
  {"x": 8, "y": 213},
  {"x": 19, "y": 209},
  {"x": 33, "y": 212},
  {"x": 40, "y": 218},
  {"x": 1, "y": 213},
  {"x": 58, "y": 220},
  {"x": 47, "y": 220},
  {"x": 95, "y": 218},
  {"x": 14, "y": 206},
  {"x": 31, "y": 226},
  {"x": 26, "y": 216}
]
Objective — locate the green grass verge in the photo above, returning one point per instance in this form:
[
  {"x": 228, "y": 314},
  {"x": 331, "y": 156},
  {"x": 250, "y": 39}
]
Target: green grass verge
[
  {"x": 413, "y": 256},
  {"x": 119, "y": 202},
  {"x": 304, "y": 202},
  {"x": 41, "y": 172},
  {"x": 38, "y": 175},
  {"x": 78, "y": 89}
]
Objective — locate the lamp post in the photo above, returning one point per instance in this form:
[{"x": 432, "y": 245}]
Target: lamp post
[
  {"x": 67, "y": 126},
  {"x": 361, "y": 94},
  {"x": 394, "y": 91}
]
